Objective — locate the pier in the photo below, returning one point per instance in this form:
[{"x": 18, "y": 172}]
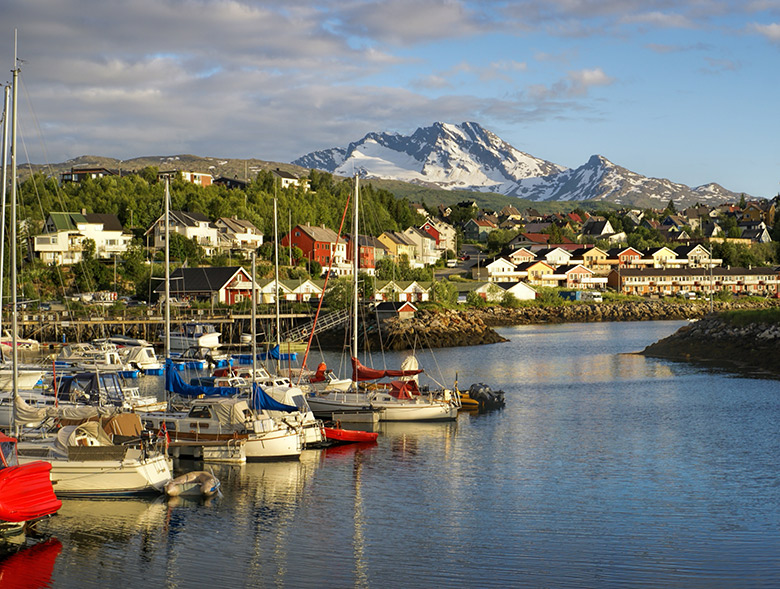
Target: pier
[{"x": 54, "y": 327}]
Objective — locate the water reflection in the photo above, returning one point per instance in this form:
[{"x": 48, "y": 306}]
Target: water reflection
[{"x": 30, "y": 566}]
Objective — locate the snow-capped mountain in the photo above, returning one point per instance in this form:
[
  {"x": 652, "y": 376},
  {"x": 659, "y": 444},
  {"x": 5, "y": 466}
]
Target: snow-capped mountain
[{"x": 469, "y": 157}]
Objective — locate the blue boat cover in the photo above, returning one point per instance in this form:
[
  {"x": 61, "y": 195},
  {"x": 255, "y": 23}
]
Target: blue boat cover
[
  {"x": 175, "y": 384},
  {"x": 262, "y": 400},
  {"x": 275, "y": 354}
]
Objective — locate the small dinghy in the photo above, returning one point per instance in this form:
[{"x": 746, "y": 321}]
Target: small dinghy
[
  {"x": 197, "y": 482},
  {"x": 347, "y": 436}
]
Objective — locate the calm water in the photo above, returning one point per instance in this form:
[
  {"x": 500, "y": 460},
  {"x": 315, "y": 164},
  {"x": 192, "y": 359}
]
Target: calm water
[{"x": 605, "y": 469}]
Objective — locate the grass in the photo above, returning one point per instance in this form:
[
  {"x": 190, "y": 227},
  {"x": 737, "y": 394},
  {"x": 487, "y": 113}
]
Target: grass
[{"x": 751, "y": 316}]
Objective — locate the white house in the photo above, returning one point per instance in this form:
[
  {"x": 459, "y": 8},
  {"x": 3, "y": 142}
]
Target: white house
[
  {"x": 235, "y": 233},
  {"x": 194, "y": 226},
  {"x": 427, "y": 253},
  {"x": 522, "y": 291},
  {"x": 64, "y": 236}
]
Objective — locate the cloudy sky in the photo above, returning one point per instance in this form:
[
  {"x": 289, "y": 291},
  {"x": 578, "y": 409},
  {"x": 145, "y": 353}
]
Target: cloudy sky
[{"x": 680, "y": 89}]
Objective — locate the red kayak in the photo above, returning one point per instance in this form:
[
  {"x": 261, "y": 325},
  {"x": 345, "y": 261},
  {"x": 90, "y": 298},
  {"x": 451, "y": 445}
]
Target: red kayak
[{"x": 346, "y": 436}]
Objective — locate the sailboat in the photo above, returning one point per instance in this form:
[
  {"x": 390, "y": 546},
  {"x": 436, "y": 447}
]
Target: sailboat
[
  {"x": 82, "y": 459},
  {"x": 399, "y": 400},
  {"x": 217, "y": 414}
]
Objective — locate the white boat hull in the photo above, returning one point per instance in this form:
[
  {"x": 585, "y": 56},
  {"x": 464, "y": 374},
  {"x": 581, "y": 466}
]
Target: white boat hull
[
  {"x": 420, "y": 409},
  {"x": 27, "y": 379},
  {"x": 274, "y": 445},
  {"x": 129, "y": 476}
]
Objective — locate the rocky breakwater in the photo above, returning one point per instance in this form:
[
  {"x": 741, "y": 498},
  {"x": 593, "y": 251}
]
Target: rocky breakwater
[
  {"x": 435, "y": 329},
  {"x": 718, "y": 339},
  {"x": 591, "y": 312}
]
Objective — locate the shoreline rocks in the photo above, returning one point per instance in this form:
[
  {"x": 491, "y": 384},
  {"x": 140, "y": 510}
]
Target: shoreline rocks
[{"x": 753, "y": 348}]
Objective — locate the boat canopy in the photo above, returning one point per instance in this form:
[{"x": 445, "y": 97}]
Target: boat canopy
[
  {"x": 361, "y": 373},
  {"x": 275, "y": 354},
  {"x": 175, "y": 384},
  {"x": 262, "y": 400},
  {"x": 404, "y": 389}
]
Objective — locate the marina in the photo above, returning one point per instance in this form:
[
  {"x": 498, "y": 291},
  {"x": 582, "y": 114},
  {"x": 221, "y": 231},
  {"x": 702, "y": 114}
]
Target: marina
[{"x": 605, "y": 468}]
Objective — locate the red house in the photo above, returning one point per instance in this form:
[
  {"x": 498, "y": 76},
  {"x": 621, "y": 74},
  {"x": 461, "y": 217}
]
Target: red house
[
  {"x": 317, "y": 243},
  {"x": 366, "y": 252},
  {"x": 431, "y": 230}
]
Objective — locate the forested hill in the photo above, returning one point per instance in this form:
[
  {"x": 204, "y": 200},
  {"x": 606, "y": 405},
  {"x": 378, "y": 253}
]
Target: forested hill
[{"x": 137, "y": 199}]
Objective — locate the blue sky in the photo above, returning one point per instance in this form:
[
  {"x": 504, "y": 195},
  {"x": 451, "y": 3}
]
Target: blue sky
[{"x": 685, "y": 90}]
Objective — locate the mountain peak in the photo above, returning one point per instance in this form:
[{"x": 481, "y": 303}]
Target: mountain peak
[{"x": 467, "y": 156}]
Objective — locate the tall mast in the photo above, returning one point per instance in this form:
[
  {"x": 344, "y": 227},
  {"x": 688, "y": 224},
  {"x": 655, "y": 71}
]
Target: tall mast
[
  {"x": 167, "y": 268},
  {"x": 14, "y": 298},
  {"x": 355, "y": 267},
  {"x": 276, "y": 284},
  {"x": 6, "y": 111}
]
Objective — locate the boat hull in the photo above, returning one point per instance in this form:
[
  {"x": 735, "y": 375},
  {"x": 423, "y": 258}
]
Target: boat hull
[{"x": 129, "y": 476}]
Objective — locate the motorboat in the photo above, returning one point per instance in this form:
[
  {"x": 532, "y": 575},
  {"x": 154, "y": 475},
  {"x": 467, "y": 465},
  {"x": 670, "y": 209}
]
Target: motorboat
[
  {"x": 194, "y": 334},
  {"x": 103, "y": 388},
  {"x": 215, "y": 419},
  {"x": 141, "y": 357},
  {"x": 281, "y": 389},
  {"x": 108, "y": 457},
  {"x": 26, "y": 491},
  {"x": 85, "y": 356}
]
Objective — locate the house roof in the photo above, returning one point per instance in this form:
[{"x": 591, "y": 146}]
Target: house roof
[
  {"x": 321, "y": 233},
  {"x": 238, "y": 225},
  {"x": 69, "y": 221},
  {"x": 200, "y": 280}
]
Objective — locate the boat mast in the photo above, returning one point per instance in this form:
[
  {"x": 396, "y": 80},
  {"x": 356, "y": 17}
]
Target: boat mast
[
  {"x": 276, "y": 286},
  {"x": 14, "y": 319},
  {"x": 167, "y": 268},
  {"x": 253, "y": 331},
  {"x": 6, "y": 111},
  {"x": 355, "y": 266}
]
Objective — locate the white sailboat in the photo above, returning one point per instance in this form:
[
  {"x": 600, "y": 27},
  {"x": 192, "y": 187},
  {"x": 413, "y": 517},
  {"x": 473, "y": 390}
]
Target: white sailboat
[
  {"x": 396, "y": 401},
  {"x": 85, "y": 459}
]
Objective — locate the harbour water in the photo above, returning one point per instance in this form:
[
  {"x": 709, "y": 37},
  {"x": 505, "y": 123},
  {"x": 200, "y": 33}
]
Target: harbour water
[{"x": 606, "y": 469}]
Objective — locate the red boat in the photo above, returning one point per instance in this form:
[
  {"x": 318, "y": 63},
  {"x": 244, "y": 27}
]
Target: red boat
[
  {"x": 348, "y": 436},
  {"x": 26, "y": 492}
]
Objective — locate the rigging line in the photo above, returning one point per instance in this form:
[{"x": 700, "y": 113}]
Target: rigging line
[{"x": 41, "y": 138}]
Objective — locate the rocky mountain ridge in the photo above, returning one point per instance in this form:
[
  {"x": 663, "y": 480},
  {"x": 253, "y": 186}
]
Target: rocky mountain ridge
[{"x": 469, "y": 157}]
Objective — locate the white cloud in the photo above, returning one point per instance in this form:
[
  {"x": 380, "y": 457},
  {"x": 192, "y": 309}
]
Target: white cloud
[{"x": 770, "y": 31}]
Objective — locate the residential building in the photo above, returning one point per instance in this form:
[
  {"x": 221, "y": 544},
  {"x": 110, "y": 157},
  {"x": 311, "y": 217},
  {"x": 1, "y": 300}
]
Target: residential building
[
  {"x": 478, "y": 229},
  {"x": 225, "y": 285},
  {"x": 672, "y": 281},
  {"x": 498, "y": 269},
  {"x": 79, "y": 174},
  {"x": 320, "y": 244},
  {"x": 64, "y": 236},
  {"x": 238, "y": 234},
  {"x": 444, "y": 234},
  {"x": 399, "y": 245},
  {"x": 425, "y": 244},
  {"x": 195, "y": 226},
  {"x": 288, "y": 179},
  {"x": 522, "y": 291},
  {"x": 197, "y": 178}
]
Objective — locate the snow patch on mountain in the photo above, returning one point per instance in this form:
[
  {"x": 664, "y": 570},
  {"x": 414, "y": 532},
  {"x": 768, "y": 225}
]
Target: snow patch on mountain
[{"x": 469, "y": 157}]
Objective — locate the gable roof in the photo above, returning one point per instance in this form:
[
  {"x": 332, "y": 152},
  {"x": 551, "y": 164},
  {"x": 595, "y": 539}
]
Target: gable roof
[
  {"x": 200, "y": 280},
  {"x": 321, "y": 233},
  {"x": 237, "y": 225}
]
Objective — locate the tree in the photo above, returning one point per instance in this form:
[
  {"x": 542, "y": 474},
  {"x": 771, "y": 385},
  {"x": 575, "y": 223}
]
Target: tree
[
  {"x": 473, "y": 299},
  {"x": 339, "y": 294},
  {"x": 444, "y": 293},
  {"x": 182, "y": 249},
  {"x": 742, "y": 202}
]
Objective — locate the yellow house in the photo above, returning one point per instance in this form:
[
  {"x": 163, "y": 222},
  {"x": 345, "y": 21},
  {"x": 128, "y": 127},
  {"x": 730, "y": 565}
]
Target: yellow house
[
  {"x": 539, "y": 273},
  {"x": 593, "y": 259},
  {"x": 398, "y": 245}
]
